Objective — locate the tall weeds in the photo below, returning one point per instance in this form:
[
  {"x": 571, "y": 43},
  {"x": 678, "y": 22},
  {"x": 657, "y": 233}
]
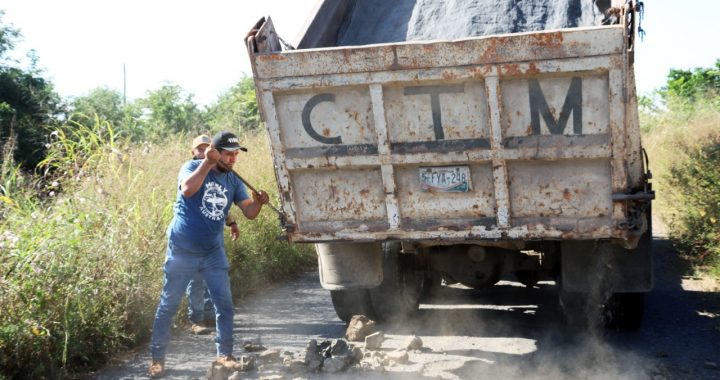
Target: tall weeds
[
  {"x": 683, "y": 141},
  {"x": 81, "y": 265}
]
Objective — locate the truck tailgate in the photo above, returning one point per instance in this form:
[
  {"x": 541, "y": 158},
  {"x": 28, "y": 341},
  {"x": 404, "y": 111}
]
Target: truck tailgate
[{"x": 519, "y": 136}]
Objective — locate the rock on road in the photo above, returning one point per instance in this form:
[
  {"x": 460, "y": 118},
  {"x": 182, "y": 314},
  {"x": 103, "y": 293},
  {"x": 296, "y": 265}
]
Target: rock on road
[{"x": 505, "y": 332}]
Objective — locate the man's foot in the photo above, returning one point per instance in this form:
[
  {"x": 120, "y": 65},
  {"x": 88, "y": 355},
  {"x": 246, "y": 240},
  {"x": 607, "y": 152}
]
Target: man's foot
[
  {"x": 229, "y": 362},
  {"x": 245, "y": 363},
  {"x": 157, "y": 369},
  {"x": 199, "y": 329}
]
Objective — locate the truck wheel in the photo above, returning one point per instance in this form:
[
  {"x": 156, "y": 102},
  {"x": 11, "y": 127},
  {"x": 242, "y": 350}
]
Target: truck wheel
[
  {"x": 398, "y": 296},
  {"x": 624, "y": 311},
  {"x": 348, "y": 303}
]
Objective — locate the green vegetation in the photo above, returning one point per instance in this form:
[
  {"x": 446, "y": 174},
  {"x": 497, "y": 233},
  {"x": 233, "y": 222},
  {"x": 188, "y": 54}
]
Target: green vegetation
[
  {"x": 82, "y": 265},
  {"x": 236, "y": 107},
  {"x": 27, "y": 100},
  {"x": 682, "y": 136},
  {"x": 87, "y": 187}
]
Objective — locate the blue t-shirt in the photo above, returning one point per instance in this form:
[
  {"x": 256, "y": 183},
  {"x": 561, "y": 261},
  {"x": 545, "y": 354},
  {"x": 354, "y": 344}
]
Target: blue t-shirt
[{"x": 199, "y": 220}]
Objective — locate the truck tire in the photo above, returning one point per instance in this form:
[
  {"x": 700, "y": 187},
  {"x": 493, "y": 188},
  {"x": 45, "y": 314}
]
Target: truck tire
[
  {"x": 624, "y": 311},
  {"x": 398, "y": 296},
  {"x": 350, "y": 302}
]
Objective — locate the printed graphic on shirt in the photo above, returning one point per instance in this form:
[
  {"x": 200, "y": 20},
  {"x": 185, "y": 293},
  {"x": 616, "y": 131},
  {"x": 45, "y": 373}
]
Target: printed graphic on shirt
[{"x": 214, "y": 201}]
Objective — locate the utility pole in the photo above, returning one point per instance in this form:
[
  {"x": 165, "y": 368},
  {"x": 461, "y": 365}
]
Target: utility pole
[{"x": 124, "y": 86}]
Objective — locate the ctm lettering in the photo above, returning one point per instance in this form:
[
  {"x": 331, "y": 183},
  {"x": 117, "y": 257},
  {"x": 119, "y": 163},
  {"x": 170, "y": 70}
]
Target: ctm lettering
[
  {"x": 433, "y": 91},
  {"x": 572, "y": 104}
]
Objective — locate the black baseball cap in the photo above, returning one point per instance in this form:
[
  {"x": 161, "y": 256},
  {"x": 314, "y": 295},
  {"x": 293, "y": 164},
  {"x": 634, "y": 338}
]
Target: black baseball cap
[{"x": 227, "y": 141}]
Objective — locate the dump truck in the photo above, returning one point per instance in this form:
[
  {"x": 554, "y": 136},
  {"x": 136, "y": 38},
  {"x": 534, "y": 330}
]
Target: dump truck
[{"x": 416, "y": 147}]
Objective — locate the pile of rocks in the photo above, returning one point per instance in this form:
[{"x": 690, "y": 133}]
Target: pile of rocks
[{"x": 329, "y": 356}]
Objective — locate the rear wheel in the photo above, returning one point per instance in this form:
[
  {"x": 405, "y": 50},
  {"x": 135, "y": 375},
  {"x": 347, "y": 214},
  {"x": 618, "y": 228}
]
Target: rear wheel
[
  {"x": 348, "y": 303},
  {"x": 398, "y": 296}
]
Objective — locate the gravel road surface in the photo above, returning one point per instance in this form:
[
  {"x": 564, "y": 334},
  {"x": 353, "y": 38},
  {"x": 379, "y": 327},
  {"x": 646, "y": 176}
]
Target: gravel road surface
[{"x": 506, "y": 332}]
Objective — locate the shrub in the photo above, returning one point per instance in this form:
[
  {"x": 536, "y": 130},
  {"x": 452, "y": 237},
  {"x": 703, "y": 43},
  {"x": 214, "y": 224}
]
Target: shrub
[
  {"x": 682, "y": 138},
  {"x": 695, "y": 184}
]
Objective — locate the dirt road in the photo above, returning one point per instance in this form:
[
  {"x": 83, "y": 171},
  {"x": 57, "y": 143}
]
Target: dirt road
[{"x": 507, "y": 332}]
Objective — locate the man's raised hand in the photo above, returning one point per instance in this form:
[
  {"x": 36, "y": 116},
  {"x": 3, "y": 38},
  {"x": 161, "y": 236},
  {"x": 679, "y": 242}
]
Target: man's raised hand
[{"x": 261, "y": 197}]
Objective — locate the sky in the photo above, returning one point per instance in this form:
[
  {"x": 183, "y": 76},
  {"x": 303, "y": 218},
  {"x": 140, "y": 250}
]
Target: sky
[{"x": 198, "y": 45}]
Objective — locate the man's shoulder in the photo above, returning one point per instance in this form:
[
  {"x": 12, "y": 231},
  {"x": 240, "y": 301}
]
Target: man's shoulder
[
  {"x": 187, "y": 168},
  {"x": 193, "y": 163},
  {"x": 190, "y": 165}
]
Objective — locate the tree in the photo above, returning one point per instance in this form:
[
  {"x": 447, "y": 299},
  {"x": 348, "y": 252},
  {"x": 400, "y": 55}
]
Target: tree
[
  {"x": 8, "y": 39},
  {"x": 692, "y": 84},
  {"x": 236, "y": 109},
  {"x": 108, "y": 105},
  {"x": 28, "y": 102},
  {"x": 169, "y": 110}
]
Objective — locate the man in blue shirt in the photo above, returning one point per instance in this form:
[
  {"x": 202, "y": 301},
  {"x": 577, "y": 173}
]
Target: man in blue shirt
[
  {"x": 201, "y": 312},
  {"x": 206, "y": 190}
]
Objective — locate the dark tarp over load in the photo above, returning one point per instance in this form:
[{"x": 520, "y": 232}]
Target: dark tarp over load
[{"x": 387, "y": 21}]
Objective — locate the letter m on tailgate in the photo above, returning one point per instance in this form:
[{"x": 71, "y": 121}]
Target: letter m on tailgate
[{"x": 572, "y": 104}]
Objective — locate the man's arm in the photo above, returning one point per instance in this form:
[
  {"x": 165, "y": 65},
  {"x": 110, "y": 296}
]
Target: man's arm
[
  {"x": 192, "y": 183},
  {"x": 251, "y": 207}
]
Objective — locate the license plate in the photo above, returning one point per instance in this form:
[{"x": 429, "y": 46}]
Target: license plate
[{"x": 453, "y": 179}]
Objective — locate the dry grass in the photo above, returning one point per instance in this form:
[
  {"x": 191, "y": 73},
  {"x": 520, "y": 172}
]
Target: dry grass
[
  {"x": 682, "y": 143},
  {"x": 81, "y": 271}
]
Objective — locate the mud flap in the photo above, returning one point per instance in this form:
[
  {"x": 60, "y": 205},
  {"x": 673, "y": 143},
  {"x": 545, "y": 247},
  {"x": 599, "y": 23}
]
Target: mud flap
[
  {"x": 350, "y": 265},
  {"x": 588, "y": 264}
]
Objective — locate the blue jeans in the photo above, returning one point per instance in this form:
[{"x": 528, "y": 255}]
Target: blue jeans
[
  {"x": 200, "y": 306},
  {"x": 180, "y": 266}
]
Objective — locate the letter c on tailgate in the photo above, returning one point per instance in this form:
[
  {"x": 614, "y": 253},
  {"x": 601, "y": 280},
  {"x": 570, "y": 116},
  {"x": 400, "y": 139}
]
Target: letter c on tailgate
[{"x": 315, "y": 100}]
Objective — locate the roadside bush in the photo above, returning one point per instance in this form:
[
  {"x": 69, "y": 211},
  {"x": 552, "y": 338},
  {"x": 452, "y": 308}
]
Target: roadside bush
[
  {"x": 81, "y": 265},
  {"x": 683, "y": 143},
  {"x": 76, "y": 266},
  {"x": 695, "y": 184}
]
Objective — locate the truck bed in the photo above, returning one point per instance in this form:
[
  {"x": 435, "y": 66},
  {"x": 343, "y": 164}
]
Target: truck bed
[{"x": 365, "y": 139}]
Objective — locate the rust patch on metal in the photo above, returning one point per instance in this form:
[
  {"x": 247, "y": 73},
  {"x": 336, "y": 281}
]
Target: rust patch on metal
[
  {"x": 510, "y": 69},
  {"x": 548, "y": 39},
  {"x": 481, "y": 72},
  {"x": 533, "y": 69},
  {"x": 270, "y": 57},
  {"x": 448, "y": 75},
  {"x": 491, "y": 52}
]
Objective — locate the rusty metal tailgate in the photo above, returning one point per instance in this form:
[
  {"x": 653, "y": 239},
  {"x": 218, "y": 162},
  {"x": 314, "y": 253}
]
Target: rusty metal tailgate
[{"x": 538, "y": 120}]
